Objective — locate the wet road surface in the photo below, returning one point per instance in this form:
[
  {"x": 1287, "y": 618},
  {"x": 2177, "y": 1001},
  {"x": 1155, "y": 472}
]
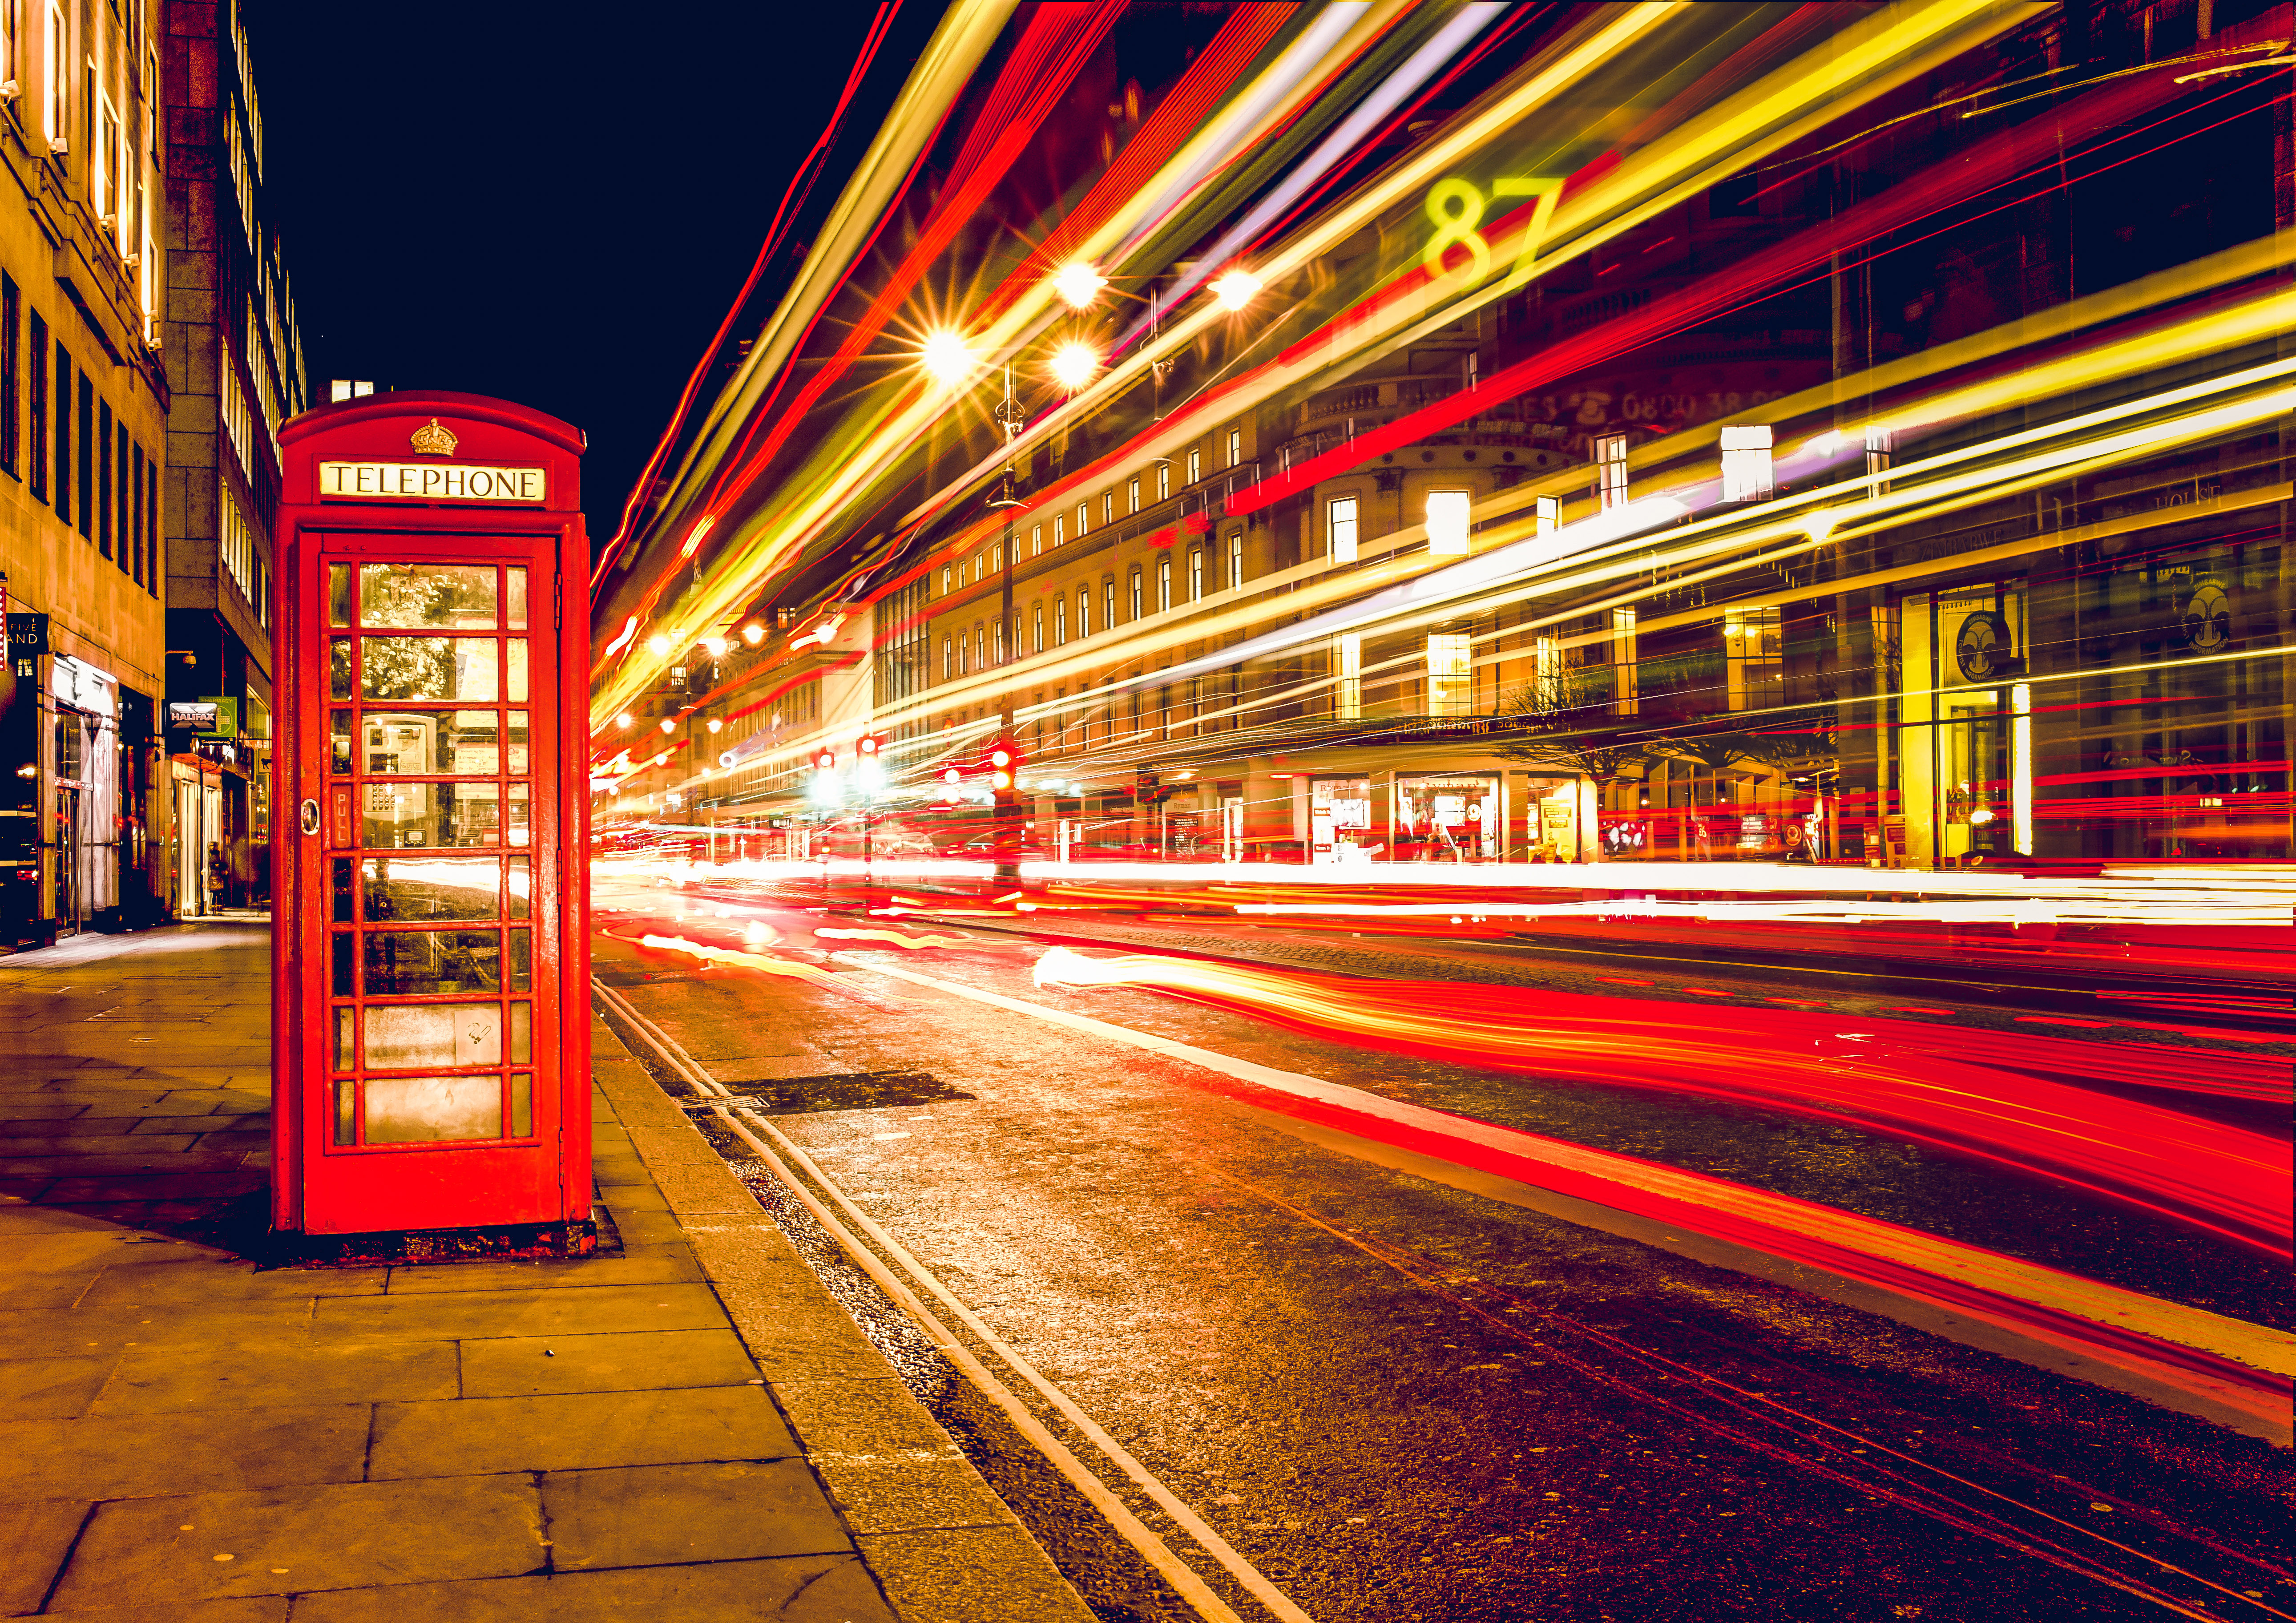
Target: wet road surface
[{"x": 1401, "y": 1401}]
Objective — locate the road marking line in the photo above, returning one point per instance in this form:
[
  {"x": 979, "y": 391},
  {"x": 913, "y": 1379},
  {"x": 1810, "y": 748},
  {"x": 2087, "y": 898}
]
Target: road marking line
[
  {"x": 2031, "y": 1284},
  {"x": 1134, "y": 1531}
]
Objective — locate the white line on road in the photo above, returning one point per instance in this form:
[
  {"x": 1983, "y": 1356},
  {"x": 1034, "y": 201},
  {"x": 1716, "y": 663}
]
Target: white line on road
[{"x": 1135, "y": 1532}]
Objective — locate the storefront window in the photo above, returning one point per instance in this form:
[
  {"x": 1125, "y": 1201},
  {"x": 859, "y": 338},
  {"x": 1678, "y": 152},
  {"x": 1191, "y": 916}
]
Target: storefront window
[
  {"x": 1339, "y": 820},
  {"x": 1446, "y": 819}
]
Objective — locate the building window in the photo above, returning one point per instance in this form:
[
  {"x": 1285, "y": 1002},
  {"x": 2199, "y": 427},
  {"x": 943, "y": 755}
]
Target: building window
[
  {"x": 1235, "y": 448},
  {"x": 102, "y": 450},
  {"x": 947, "y": 658},
  {"x": 1195, "y": 463},
  {"x": 1108, "y": 507},
  {"x": 152, "y": 521},
  {"x": 1881, "y": 451},
  {"x": 1746, "y": 466},
  {"x": 1084, "y": 610},
  {"x": 1136, "y": 592},
  {"x": 1611, "y": 470},
  {"x": 1036, "y": 540},
  {"x": 1626, "y": 688},
  {"x": 1163, "y": 478},
  {"x": 1750, "y": 643},
  {"x": 1040, "y": 629},
  {"x": 1195, "y": 574},
  {"x": 1108, "y": 604},
  {"x": 1000, "y": 640},
  {"x": 1163, "y": 585},
  {"x": 57, "y": 101},
  {"x": 1133, "y": 489},
  {"x": 11, "y": 319},
  {"x": 1345, "y": 525},
  {"x": 135, "y": 515},
  {"x": 35, "y": 407},
  {"x": 104, "y": 161},
  {"x": 63, "y": 435},
  {"x": 1059, "y": 529},
  {"x": 1061, "y": 618},
  {"x": 1347, "y": 668},
  {"x": 1447, "y": 522},
  {"x": 1084, "y": 512},
  {"x": 1234, "y": 560},
  {"x": 980, "y": 648},
  {"x": 945, "y": 577},
  {"x": 1450, "y": 690}
]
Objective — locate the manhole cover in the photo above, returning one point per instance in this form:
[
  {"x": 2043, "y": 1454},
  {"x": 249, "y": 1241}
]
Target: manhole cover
[{"x": 853, "y": 1090}]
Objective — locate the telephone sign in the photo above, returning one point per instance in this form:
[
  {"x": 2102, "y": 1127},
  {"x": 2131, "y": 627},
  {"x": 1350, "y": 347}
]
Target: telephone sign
[{"x": 429, "y": 932}]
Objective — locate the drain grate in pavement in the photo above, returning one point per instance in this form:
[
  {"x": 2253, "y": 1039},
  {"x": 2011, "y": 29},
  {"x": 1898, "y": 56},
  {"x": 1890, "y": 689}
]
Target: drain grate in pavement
[{"x": 852, "y": 1090}]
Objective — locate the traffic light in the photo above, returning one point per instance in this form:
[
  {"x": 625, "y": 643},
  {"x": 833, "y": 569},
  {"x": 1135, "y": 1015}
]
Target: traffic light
[
  {"x": 825, "y": 760},
  {"x": 1003, "y": 768},
  {"x": 868, "y": 747}
]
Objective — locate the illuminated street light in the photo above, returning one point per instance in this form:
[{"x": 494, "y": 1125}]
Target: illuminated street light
[
  {"x": 716, "y": 645},
  {"x": 1236, "y": 289},
  {"x": 1078, "y": 282},
  {"x": 657, "y": 645},
  {"x": 626, "y": 720},
  {"x": 668, "y": 725},
  {"x": 948, "y": 357},
  {"x": 715, "y": 724},
  {"x": 753, "y": 634},
  {"x": 1073, "y": 365}
]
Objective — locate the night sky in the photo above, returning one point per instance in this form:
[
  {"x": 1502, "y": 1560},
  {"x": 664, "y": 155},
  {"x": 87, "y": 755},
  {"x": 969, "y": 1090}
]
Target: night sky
[{"x": 549, "y": 202}]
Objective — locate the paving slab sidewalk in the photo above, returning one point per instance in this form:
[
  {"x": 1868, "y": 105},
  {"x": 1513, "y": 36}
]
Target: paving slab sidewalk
[{"x": 693, "y": 1429}]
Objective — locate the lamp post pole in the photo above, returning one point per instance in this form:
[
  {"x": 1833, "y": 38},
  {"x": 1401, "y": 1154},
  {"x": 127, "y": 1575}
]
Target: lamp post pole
[{"x": 1011, "y": 419}]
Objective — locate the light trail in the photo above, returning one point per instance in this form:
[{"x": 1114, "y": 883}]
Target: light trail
[
  {"x": 1863, "y": 50},
  {"x": 2225, "y": 1360},
  {"x": 2221, "y": 1180}
]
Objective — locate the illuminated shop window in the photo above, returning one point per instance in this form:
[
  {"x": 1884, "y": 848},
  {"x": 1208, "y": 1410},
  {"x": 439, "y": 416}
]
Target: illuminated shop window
[
  {"x": 1611, "y": 470},
  {"x": 1626, "y": 687},
  {"x": 1746, "y": 468},
  {"x": 1450, "y": 681},
  {"x": 1346, "y": 525},
  {"x": 1447, "y": 522},
  {"x": 1347, "y": 667}
]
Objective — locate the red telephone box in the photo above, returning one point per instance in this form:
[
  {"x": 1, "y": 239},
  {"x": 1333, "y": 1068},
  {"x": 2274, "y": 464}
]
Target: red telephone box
[{"x": 430, "y": 937}]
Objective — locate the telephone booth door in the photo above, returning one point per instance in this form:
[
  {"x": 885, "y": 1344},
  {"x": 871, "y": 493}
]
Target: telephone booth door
[{"x": 430, "y": 1059}]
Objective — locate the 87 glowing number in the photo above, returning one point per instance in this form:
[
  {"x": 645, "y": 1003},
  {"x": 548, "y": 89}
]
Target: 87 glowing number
[{"x": 1455, "y": 206}]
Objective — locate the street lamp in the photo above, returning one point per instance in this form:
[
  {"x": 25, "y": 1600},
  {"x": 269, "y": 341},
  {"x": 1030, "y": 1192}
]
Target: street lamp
[
  {"x": 948, "y": 357},
  {"x": 1236, "y": 289},
  {"x": 1073, "y": 365},
  {"x": 1077, "y": 284}
]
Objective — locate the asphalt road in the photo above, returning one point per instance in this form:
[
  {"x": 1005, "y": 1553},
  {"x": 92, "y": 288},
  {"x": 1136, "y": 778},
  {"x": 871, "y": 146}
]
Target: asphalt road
[{"x": 1399, "y": 1399}]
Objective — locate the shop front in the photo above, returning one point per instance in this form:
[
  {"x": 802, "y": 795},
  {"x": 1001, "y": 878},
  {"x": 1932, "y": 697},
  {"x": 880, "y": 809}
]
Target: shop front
[
  {"x": 84, "y": 819},
  {"x": 1457, "y": 817}
]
